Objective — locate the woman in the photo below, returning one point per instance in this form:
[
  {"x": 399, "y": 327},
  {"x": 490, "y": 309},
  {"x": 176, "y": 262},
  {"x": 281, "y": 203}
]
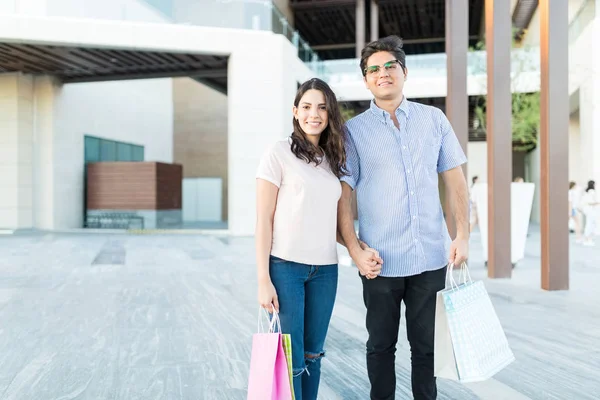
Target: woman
[
  {"x": 298, "y": 189},
  {"x": 590, "y": 210}
]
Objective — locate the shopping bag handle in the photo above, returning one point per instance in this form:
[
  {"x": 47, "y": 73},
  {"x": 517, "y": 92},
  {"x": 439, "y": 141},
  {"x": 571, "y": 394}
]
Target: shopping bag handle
[
  {"x": 464, "y": 274},
  {"x": 275, "y": 323}
]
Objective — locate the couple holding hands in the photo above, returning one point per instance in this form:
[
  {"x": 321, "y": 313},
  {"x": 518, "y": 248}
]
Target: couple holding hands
[{"x": 391, "y": 154}]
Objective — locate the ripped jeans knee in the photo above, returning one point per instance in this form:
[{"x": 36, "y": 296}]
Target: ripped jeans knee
[{"x": 309, "y": 359}]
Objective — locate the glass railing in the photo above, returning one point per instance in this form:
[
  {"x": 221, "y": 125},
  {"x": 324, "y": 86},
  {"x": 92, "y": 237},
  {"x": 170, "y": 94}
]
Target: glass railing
[
  {"x": 238, "y": 14},
  {"x": 581, "y": 20},
  {"x": 281, "y": 25},
  {"x": 432, "y": 65}
]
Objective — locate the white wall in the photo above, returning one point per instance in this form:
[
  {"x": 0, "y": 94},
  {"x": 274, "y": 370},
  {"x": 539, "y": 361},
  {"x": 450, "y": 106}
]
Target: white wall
[
  {"x": 260, "y": 112},
  {"x": 477, "y": 164},
  {"x": 263, "y": 73},
  {"x": 584, "y": 82},
  {"x": 138, "y": 112},
  {"x": 132, "y": 10},
  {"x": 576, "y": 170}
]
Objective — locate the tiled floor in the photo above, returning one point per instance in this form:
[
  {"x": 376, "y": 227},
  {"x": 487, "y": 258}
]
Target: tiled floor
[{"x": 94, "y": 316}]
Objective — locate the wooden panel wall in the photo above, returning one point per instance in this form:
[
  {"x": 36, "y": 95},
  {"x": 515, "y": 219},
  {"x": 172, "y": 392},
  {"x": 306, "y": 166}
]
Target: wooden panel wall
[
  {"x": 133, "y": 186},
  {"x": 169, "y": 179}
]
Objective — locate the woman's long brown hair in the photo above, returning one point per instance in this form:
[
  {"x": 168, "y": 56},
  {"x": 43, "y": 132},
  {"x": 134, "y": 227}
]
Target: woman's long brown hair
[{"x": 332, "y": 139}]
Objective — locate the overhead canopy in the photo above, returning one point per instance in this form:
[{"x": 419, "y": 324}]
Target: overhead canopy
[
  {"x": 329, "y": 25},
  {"x": 84, "y": 64}
]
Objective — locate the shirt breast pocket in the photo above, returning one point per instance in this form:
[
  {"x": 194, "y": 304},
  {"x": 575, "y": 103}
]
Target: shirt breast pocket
[{"x": 430, "y": 154}]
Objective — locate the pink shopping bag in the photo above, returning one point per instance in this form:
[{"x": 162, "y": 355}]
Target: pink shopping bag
[{"x": 269, "y": 375}]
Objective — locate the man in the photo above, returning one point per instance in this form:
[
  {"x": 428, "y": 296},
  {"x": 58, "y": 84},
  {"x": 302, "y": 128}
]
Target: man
[{"x": 395, "y": 151}]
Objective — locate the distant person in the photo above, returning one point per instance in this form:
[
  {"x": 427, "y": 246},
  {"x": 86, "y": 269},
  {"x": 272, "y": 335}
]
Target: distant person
[
  {"x": 472, "y": 205},
  {"x": 298, "y": 190},
  {"x": 574, "y": 213},
  {"x": 396, "y": 150},
  {"x": 590, "y": 210}
]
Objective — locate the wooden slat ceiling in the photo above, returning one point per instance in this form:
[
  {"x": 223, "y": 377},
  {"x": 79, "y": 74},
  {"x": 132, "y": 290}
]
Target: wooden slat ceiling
[
  {"x": 421, "y": 23},
  {"x": 76, "y": 64}
]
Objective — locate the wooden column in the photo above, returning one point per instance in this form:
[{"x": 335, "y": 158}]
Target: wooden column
[
  {"x": 374, "y": 20},
  {"x": 457, "y": 100},
  {"x": 499, "y": 136},
  {"x": 554, "y": 143},
  {"x": 360, "y": 26}
]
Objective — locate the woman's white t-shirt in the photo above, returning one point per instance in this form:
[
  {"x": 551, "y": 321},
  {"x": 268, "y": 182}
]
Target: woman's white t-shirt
[{"x": 305, "y": 221}]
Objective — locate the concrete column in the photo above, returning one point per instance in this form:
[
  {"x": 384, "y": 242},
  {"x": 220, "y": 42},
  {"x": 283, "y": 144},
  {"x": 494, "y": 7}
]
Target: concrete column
[
  {"x": 260, "y": 113},
  {"x": 45, "y": 181},
  {"x": 499, "y": 136},
  {"x": 457, "y": 101},
  {"x": 360, "y": 26},
  {"x": 554, "y": 143},
  {"x": 374, "y": 20},
  {"x": 16, "y": 143}
]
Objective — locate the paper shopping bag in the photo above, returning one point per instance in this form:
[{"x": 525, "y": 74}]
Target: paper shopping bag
[
  {"x": 287, "y": 349},
  {"x": 470, "y": 344},
  {"x": 269, "y": 377}
]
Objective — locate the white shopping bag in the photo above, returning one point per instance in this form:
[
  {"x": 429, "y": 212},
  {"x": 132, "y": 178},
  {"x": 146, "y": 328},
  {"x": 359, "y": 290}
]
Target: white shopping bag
[{"x": 470, "y": 344}]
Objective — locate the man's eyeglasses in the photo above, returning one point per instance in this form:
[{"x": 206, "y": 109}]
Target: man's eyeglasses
[{"x": 389, "y": 66}]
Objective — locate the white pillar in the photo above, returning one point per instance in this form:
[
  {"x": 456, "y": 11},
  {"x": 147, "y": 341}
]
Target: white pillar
[
  {"x": 44, "y": 158},
  {"x": 262, "y": 83},
  {"x": 16, "y": 143}
]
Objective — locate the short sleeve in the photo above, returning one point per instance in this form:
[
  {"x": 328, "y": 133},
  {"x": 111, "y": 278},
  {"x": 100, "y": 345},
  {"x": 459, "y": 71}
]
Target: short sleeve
[
  {"x": 451, "y": 153},
  {"x": 352, "y": 162},
  {"x": 270, "y": 168}
]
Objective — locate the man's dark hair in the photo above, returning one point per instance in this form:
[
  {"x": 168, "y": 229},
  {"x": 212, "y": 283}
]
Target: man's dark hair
[{"x": 391, "y": 44}]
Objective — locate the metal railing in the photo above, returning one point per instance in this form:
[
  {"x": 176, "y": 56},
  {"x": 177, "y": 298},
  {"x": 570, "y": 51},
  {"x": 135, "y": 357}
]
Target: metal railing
[{"x": 114, "y": 220}]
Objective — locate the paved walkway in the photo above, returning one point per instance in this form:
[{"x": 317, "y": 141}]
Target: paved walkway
[{"x": 96, "y": 316}]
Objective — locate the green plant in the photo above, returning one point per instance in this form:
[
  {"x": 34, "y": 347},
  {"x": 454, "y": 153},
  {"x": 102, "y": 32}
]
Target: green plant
[
  {"x": 525, "y": 106},
  {"x": 346, "y": 112}
]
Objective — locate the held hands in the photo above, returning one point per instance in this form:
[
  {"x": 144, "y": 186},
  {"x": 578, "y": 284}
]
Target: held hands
[
  {"x": 267, "y": 296},
  {"x": 368, "y": 261},
  {"x": 459, "y": 251}
]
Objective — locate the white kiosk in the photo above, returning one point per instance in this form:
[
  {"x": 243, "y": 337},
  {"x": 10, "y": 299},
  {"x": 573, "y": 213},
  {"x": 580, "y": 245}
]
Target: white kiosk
[{"x": 520, "y": 212}]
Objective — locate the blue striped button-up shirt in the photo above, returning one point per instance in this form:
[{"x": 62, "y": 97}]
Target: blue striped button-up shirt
[{"x": 395, "y": 175}]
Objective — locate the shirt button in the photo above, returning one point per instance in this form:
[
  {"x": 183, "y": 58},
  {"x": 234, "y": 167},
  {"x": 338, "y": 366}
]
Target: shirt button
[
  {"x": 411, "y": 193},
  {"x": 408, "y": 171},
  {"x": 414, "y": 217},
  {"x": 404, "y": 147}
]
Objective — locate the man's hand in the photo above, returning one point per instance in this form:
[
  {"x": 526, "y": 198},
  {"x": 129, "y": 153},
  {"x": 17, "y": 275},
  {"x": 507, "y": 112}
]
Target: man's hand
[
  {"x": 459, "y": 251},
  {"x": 368, "y": 261}
]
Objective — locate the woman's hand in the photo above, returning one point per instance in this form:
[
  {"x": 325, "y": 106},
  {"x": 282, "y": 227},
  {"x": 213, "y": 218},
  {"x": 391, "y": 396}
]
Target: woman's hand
[{"x": 267, "y": 296}]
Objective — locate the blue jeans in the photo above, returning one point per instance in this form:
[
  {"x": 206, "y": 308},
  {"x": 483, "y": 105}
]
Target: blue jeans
[{"x": 306, "y": 295}]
